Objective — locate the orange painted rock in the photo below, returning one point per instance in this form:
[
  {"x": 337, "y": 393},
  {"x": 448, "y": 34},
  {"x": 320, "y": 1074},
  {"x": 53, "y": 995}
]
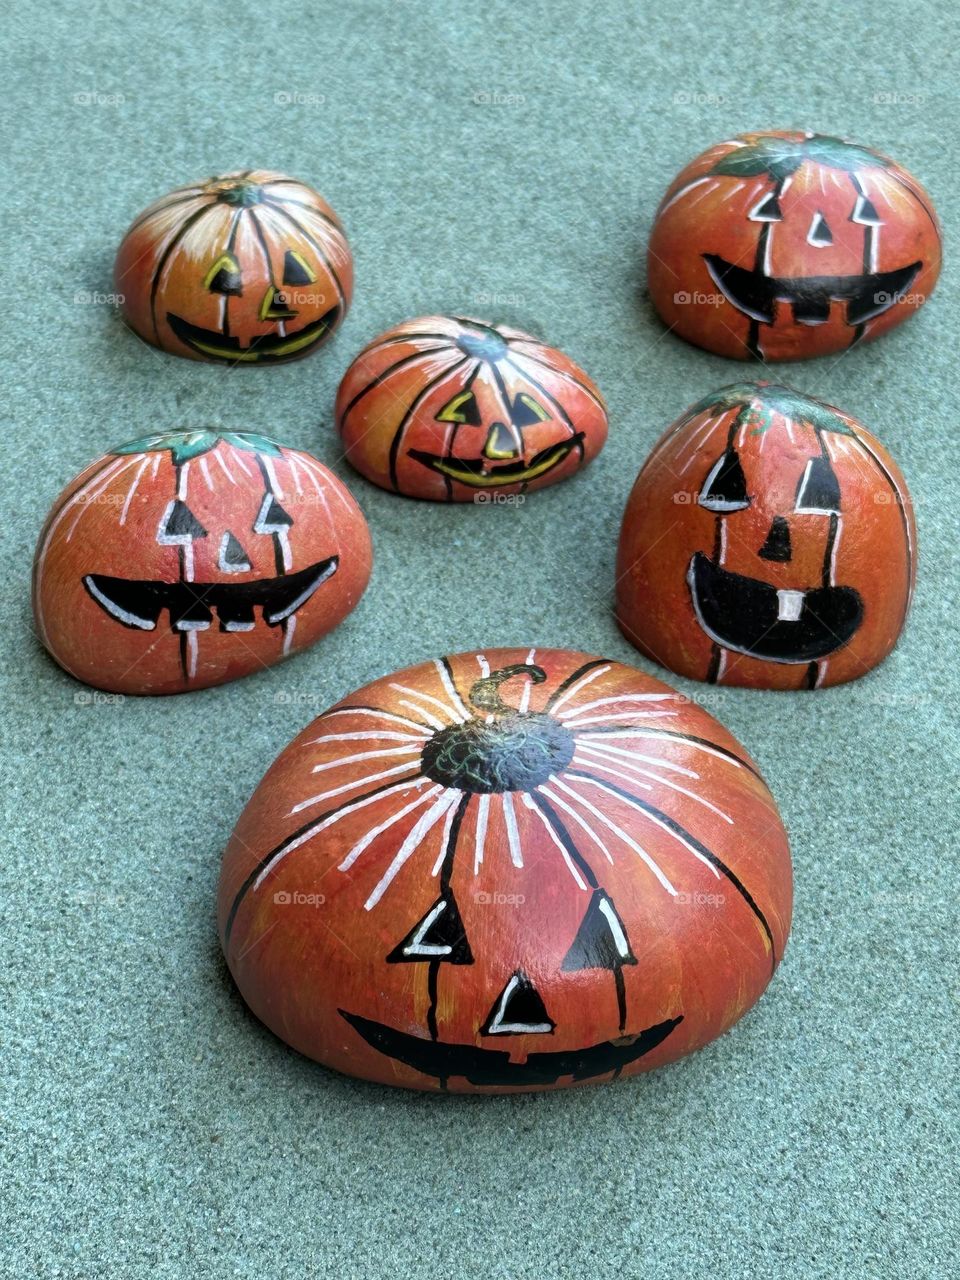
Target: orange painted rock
[
  {"x": 249, "y": 268},
  {"x": 189, "y": 558},
  {"x": 768, "y": 541},
  {"x": 782, "y": 246},
  {"x": 457, "y": 411},
  {"x": 517, "y": 869}
]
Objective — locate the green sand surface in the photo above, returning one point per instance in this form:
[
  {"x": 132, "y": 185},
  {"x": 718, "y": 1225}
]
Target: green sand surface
[{"x": 503, "y": 159}]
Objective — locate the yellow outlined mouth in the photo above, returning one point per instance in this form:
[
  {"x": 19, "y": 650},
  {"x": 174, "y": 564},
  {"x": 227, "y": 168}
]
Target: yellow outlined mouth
[
  {"x": 269, "y": 347},
  {"x": 471, "y": 473}
]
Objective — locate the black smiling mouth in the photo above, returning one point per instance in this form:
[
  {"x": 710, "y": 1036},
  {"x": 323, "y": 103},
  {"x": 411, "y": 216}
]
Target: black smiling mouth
[
  {"x": 474, "y": 472},
  {"x": 756, "y": 295},
  {"x": 138, "y": 602},
  {"x": 272, "y": 347},
  {"x": 752, "y": 617},
  {"x": 493, "y": 1068}
]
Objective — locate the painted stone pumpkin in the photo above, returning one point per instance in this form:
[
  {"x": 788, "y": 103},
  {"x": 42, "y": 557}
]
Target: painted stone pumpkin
[
  {"x": 516, "y": 869},
  {"x": 768, "y": 541},
  {"x": 190, "y": 558},
  {"x": 455, "y": 410},
  {"x": 781, "y": 246},
  {"x": 248, "y": 268}
]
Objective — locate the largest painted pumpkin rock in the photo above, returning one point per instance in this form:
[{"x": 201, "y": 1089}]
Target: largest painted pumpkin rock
[
  {"x": 781, "y": 246},
  {"x": 516, "y": 869},
  {"x": 189, "y": 558},
  {"x": 248, "y": 268},
  {"x": 768, "y": 541}
]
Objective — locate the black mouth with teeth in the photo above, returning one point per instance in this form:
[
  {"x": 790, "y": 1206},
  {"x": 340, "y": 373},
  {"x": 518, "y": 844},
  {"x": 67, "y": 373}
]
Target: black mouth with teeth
[
  {"x": 493, "y": 1068},
  {"x": 477, "y": 472},
  {"x": 269, "y": 347},
  {"x": 744, "y": 614},
  {"x": 138, "y": 602},
  {"x": 757, "y": 295}
]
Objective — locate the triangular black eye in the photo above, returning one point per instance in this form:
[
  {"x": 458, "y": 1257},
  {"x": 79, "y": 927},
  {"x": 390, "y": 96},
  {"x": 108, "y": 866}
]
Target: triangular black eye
[
  {"x": 271, "y": 518},
  {"x": 232, "y": 558},
  {"x": 462, "y": 408},
  {"x": 296, "y": 269},
  {"x": 179, "y": 526},
  {"x": 777, "y": 545},
  {"x": 601, "y": 941},
  {"x": 224, "y": 276},
  {"x": 865, "y": 212},
  {"x": 767, "y": 209},
  {"x": 526, "y": 411},
  {"x": 439, "y": 936},
  {"x": 518, "y": 1010},
  {"x": 819, "y": 234},
  {"x": 725, "y": 488},
  {"x": 819, "y": 490}
]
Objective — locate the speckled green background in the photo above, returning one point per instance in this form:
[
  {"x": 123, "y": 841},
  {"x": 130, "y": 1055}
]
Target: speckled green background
[{"x": 504, "y": 159}]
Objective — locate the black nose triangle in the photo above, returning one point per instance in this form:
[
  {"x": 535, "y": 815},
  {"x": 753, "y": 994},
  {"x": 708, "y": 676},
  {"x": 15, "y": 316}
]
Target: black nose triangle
[{"x": 777, "y": 544}]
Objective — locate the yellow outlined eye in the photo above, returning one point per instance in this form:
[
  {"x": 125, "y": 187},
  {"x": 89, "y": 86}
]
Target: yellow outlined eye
[
  {"x": 224, "y": 276},
  {"x": 296, "y": 269},
  {"x": 274, "y": 306},
  {"x": 462, "y": 408},
  {"x": 526, "y": 410}
]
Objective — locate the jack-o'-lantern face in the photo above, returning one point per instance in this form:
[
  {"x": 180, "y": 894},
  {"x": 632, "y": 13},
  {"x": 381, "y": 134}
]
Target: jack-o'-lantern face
[
  {"x": 250, "y": 268},
  {"x": 190, "y": 558},
  {"x": 449, "y": 409},
  {"x": 507, "y": 870},
  {"x": 785, "y": 555},
  {"x": 789, "y": 245}
]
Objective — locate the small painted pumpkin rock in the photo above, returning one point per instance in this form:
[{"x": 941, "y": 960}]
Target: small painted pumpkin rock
[
  {"x": 782, "y": 246},
  {"x": 189, "y": 558},
  {"x": 517, "y": 869},
  {"x": 768, "y": 541},
  {"x": 455, "y": 410},
  {"x": 248, "y": 268}
]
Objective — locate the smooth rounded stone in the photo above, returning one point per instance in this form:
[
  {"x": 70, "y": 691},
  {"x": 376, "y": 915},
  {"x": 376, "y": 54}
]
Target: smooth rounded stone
[
  {"x": 247, "y": 268},
  {"x": 188, "y": 558},
  {"x": 786, "y": 245},
  {"x": 455, "y": 410},
  {"x": 506, "y": 870},
  {"x": 768, "y": 541}
]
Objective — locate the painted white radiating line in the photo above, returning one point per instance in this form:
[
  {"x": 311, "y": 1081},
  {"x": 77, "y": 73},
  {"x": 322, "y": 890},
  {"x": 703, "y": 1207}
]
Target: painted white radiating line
[
  {"x": 528, "y": 686},
  {"x": 428, "y": 697},
  {"x": 272, "y": 476},
  {"x": 365, "y": 841},
  {"x": 902, "y": 499},
  {"x": 322, "y": 823},
  {"x": 367, "y": 735},
  {"x": 531, "y": 805},
  {"x": 430, "y": 719},
  {"x": 288, "y": 628},
  {"x": 622, "y": 715},
  {"x": 205, "y": 470},
  {"x": 666, "y": 782},
  {"x": 484, "y": 665},
  {"x": 618, "y": 831},
  {"x": 608, "y": 768},
  {"x": 561, "y": 803},
  {"x": 295, "y": 473},
  {"x": 85, "y": 498},
  {"x": 483, "y": 810},
  {"x": 239, "y": 459},
  {"x": 597, "y": 782},
  {"x": 600, "y": 739},
  {"x": 183, "y": 479},
  {"x": 385, "y": 715},
  {"x": 577, "y": 686},
  {"x": 620, "y": 697},
  {"x": 513, "y": 835},
  {"x": 451, "y": 688},
  {"x": 364, "y": 755},
  {"x": 224, "y": 468},
  {"x": 681, "y": 193},
  {"x": 445, "y": 838},
  {"x": 410, "y": 845},
  {"x": 313, "y": 466},
  {"x": 358, "y": 782},
  {"x": 646, "y": 733},
  {"x": 132, "y": 491}
]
